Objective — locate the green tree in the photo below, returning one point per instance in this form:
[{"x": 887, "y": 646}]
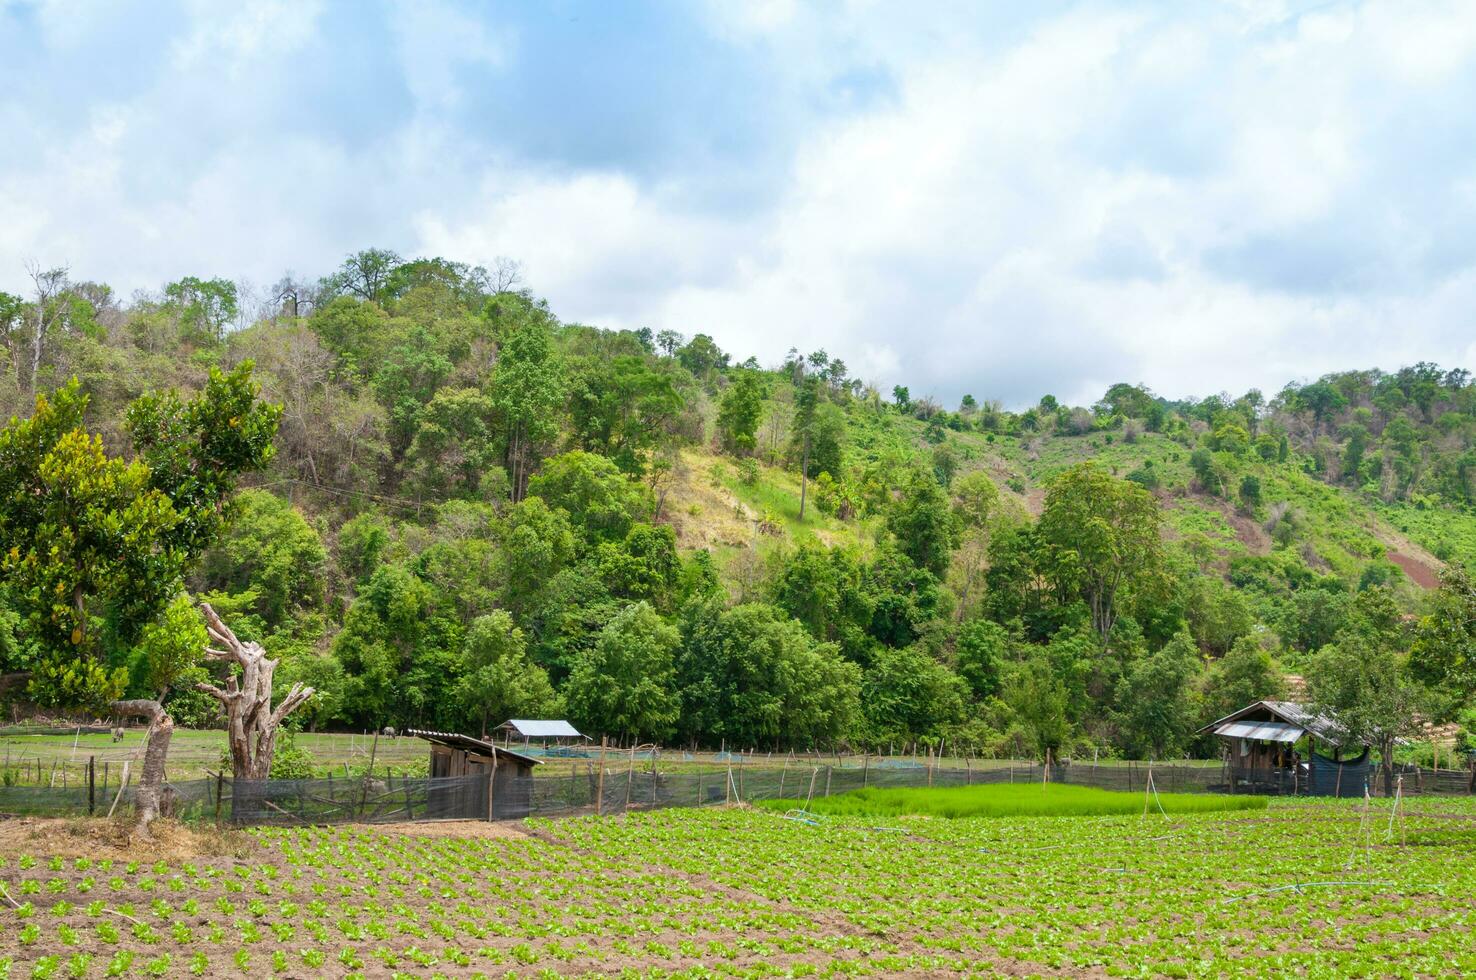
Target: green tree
[
  {"x": 752, "y": 676},
  {"x": 99, "y": 547},
  {"x": 497, "y": 681},
  {"x": 923, "y": 524},
  {"x": 1037, "y": 699},
  {"x": 271, "y": 553},
  {"x": 366, "y": 274},
  {"x": 625, "y": 685},
  {"x": 907, "y": 695},
  {"x": 528, "y": 391},
  {"x": 1363, "y": 679},
  {"x": 455, "y": 446},
  {"x": 1444, "y": 652},
  {"x": 740, "y": 412},
  {"x": 203, "y": 306},
  {"x": 1243, "y": 676},
  {"x": 984, "y": 647},
  {"x": 1100, "y": 539},
  {"x": 1156, "y": 705},
  {"x": 536, "y": 544},
  {"x": 602, "y": 502}
]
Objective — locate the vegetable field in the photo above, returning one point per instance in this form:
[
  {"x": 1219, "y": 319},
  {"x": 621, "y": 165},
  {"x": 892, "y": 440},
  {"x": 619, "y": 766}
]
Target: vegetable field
[{"x": 745, "y": 892}]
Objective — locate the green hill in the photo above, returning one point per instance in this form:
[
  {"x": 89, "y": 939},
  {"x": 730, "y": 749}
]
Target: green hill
[{"x": 476, "y": 510}]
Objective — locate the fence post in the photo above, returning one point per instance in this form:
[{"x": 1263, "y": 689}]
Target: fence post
[
  {"x": 492, "y": 787},
  {"x": 782, "y": 773},
  {"x": 219, "y": 784},
  {"x": 91, "y": 784},
  {"x": 828, "y": 771},
  {"x": 600, "y": 781},
  {"x": 865, "y": 761}
]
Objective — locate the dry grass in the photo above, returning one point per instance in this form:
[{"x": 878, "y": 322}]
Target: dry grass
[{"x": 73, "y": 837}]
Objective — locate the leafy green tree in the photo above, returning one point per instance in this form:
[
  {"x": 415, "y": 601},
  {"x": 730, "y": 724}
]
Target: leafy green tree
[
  {"x": 203, "y": 306},
  {"x": 923, "y": 524},
  {"x": 623, "y": 409},
  {"x": 396, "y": 648},
  {"x": 625, "y": 685},
  {"x": 645, "y": 566},
  {"x": 528, "y": 391},
  {"x": 702, "y": 356},
  {"x": 975, "y": 501},
  {"x": 98, "y": 547},
  {"x": 740, "y": 412},
  {"x": 1100, "y": 539},
  {"x": 1217, "y": 614},
  {"x": 602, "y": 502},
  {"x": 1363, "y": 679},
  {"x": 1316, "y": 615},
  {"x": 409, "y": 375},
  {"x": 823, "y": 589},
  {"x": 497, "y": 681},
  {"x": 1243, "y": 676},
  {"x": 1037, "y": 699},
  {"x": 366, "y": 274},
  {"x": 269, "y": 551},
  {"x": 984, "y": 647},
  {"x": 1444, "y": 650},
  {"x": 752, "y": 676},
  {"x": 1157, "y": 709},
  {"x": 455, "y": 446},
  {"x": 536, "y": 543},
  {"x": 903, "y": 597},
  {"x": 907, "y": 695},
  {"x": 363, "y": 544}
]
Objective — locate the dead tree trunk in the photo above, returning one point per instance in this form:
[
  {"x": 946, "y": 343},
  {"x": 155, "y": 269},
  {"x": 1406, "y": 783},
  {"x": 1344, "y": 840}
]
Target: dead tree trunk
[
  {"x": 151, "y": 779},
  {"x": 251, "y": 724}
]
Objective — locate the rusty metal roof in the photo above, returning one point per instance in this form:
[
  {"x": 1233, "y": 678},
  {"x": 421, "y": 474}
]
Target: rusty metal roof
[{"x": 469, "y": 744}]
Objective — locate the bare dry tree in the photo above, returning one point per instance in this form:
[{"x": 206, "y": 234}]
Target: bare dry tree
[{"x": 251, "y": 722}]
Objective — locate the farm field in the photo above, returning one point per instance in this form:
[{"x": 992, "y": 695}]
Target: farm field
[
  {"x": 1018, "y": 800},
  {"x": 744, "y": 892}
]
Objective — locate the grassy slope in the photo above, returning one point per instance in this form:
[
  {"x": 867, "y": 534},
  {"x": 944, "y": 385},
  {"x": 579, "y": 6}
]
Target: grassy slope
[{"x": 1343, "y": 530}]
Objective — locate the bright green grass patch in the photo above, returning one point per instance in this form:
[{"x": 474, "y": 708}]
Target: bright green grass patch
[{"x": 1011, "y": 800}]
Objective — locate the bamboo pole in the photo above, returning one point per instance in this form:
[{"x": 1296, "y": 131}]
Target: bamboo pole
[{"x": 600, "y": 782}]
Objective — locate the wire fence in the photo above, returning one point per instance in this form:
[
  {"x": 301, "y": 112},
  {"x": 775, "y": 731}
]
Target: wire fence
[{"x": 623, "y": 784}]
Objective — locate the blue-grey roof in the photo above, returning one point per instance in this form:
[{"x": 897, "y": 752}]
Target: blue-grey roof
[{"x": 545, "y": 728}]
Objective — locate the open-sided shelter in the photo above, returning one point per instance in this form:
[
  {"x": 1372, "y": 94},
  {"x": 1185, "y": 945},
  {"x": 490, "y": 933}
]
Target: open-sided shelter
[
  {"x": 1283, "y": 746},
  {"x": 545, "y": 731},
  {"x": 480, "y": 766}
]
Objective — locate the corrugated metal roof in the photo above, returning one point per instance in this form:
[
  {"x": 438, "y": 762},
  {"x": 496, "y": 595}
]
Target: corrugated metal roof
[
  {"x": 1267, "y": 731},
  {"x": 1287, "y": 712},
  {"x": 459, "y": 741},
  {"x": 545, "y": 728}
]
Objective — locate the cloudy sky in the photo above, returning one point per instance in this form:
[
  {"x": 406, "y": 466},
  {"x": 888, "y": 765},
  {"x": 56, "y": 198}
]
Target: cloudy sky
[{"x": 997, "y": 198}]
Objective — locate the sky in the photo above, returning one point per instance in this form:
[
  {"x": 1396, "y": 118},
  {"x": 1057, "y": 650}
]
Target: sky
[{"x": 1000, "y": 199}]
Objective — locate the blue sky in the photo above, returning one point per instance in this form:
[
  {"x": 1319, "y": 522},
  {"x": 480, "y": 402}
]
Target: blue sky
[{"x": 1002, "y": 199}]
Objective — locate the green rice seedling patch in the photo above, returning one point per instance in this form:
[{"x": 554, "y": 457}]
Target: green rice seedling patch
[{"x": 1012, "y": 800}]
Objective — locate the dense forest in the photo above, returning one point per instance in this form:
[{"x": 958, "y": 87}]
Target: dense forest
[{"x": 472, "y": 510}]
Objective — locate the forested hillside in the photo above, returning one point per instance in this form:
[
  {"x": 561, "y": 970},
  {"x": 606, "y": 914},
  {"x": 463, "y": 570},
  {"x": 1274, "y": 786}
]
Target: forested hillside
[{"x": 477, "y": 511}]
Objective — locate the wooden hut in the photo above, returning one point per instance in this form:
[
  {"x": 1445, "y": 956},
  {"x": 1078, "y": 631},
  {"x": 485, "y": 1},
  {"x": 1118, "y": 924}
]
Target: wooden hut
[
  {"x": 1285, "y": 747},
  {"x": 507, "y": 774}
]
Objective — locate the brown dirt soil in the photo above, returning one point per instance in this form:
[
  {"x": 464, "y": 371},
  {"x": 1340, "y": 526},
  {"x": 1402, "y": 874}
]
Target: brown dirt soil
[
  {"x": 1250, "y": 533},
  {"x": 1420, "y": 573},
  {"x": 479, "y": 829},
  {"x": 83, "y": 837}
]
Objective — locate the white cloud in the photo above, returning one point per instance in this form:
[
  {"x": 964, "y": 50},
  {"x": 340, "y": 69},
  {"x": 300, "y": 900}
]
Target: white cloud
[{"x": 1197, "y": 198}]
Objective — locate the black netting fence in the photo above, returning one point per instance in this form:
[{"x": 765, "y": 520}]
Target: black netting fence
[{"x": 577, "y": 785}]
